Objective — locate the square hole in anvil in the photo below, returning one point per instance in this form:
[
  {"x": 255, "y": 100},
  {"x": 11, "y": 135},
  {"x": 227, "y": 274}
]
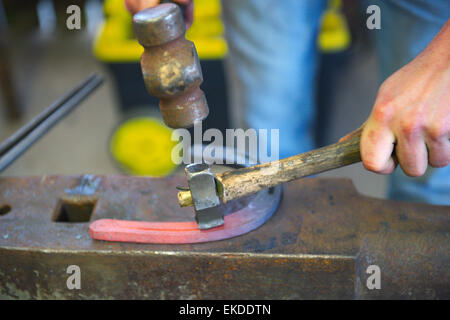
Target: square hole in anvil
[{"x": 74, "y": 211}]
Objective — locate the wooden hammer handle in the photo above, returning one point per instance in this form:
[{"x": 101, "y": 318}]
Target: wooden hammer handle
[{"x": 238, "y": 183}]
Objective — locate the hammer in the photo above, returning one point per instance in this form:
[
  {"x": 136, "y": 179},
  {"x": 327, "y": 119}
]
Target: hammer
[
  {"x": 170, "y": 65},
  {"x": 221, "y": 188}
]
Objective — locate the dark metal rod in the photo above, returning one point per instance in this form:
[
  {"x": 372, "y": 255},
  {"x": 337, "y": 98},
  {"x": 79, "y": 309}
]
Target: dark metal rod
[
  {"x": 25, "y": 137},
  {"x": 17, "y": 136}
]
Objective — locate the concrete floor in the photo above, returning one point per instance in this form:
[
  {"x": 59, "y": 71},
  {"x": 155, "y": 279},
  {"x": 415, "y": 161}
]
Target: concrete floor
[{"x": 46, "y": 69}]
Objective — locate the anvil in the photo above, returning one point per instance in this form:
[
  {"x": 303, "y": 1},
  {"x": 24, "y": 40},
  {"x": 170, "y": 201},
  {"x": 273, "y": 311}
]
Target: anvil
[{"x": 319, "y": 244}]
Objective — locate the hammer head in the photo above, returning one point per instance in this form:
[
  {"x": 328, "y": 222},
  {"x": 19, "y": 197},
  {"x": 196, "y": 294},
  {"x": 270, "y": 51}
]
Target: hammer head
[
  {"x": 202, "y": 185},
  {"x": 170, "y": 65}
]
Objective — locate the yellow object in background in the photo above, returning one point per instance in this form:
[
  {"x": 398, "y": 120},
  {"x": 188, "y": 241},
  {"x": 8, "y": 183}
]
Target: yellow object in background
[
  {"x": 334, "y": 35},
  {"x": 143, "y": 146},
  {"x": 115, "y": 41}
]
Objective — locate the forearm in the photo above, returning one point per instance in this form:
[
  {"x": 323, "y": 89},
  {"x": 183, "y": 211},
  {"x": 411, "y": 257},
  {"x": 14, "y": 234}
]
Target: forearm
[{"x": 439, "y": 47}]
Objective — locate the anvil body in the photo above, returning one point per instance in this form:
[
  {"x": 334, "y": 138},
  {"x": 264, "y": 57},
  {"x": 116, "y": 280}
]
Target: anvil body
[{"x": 319, "y": 244}]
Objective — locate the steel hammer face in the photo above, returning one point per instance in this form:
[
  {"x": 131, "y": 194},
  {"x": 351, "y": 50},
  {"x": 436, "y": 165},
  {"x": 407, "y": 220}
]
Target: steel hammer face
[{"x": 202, "y": 185}]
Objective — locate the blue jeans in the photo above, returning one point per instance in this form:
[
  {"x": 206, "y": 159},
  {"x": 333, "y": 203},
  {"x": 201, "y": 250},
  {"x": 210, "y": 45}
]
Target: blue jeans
[
  {"x": 271, "y": 67},
  {"x": 272, "y": 63}
]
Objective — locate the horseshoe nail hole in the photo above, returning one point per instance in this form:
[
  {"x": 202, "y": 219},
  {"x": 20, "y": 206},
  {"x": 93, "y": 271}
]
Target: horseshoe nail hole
[
  {"x": 4, "y": 209},
  {"x": 74, "y": 211}
]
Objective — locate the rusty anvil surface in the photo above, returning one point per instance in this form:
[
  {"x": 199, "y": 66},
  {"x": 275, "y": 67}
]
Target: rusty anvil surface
[{"x": 318, "y": 244}]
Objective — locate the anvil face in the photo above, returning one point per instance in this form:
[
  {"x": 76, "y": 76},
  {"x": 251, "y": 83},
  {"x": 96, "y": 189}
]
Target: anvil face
[{"x": 318, "y": 244}]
